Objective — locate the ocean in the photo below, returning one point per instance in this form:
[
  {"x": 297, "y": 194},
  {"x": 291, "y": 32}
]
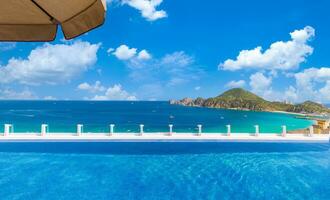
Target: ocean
[{"x": 63, "y": 116}]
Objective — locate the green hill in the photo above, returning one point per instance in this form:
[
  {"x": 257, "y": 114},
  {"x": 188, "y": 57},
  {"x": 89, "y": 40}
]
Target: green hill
[
  {"x": 239, "y": 93},
  {"x": 309, "y": 107},
  {"x": 241, "y": 99},
  {"x": 238, "y": 99}
]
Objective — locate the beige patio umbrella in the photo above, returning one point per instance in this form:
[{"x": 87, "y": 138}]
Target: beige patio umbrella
[{"x": 37, "y": 20}]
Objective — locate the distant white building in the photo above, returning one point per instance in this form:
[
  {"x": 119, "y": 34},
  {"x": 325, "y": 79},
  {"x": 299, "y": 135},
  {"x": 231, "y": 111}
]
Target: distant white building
[{"x": 287, "y": 102}]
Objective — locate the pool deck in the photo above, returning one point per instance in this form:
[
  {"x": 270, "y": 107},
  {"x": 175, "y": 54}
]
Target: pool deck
[{"x": 162, "y": 137}]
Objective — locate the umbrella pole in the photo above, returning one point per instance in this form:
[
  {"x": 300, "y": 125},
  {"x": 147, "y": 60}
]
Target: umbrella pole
[{"x": 43, "y": 10}]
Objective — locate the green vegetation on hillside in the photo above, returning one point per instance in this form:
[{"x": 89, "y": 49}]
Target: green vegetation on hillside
[
  {"x": 241, "y": 99},
  {"x": 309, "y": 107},
  {"x": 238, "y": 99}
]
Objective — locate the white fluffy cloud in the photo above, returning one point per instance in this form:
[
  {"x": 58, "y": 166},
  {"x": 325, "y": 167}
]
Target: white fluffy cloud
[
  {"x": 147, "y": 8},
  {"x": 144, "y": 55},
  {"x": 25, "y": 94},
  {"x": 312, "y": 84},
  {"x": 115, "y": 92},
  {"x": 280, "y": 55},
  {"x": 308, "y": 76},
  {"x": 262, "y": 86},
  {"x": 259, "y": 83},
  {"x": 96, "y": 87},
  {"x": 50, "y": 64},
  {"x": 124, "y": 52},
  {"x": 110, "y": 50},
  {"x": 290, "y": 94},
  {"x": 235, "y": 84},
  {"x": 325, "y": 92}
]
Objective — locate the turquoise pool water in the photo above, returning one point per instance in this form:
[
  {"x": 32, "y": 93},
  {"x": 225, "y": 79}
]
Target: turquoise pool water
[
  {"x": 152, "y": 171},
  {"x": 62, "y": 116}
]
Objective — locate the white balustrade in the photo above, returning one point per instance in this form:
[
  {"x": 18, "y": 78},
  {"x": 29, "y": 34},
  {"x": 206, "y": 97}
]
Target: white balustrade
[
  {"x": 257, "y": 130},
  {"x": 228, "y": 130},
  {"x": 199, "y": 126},
  {"x": 79, "y": 129},
  {"x": 8, "y": 128},
  {"x": 283, "y": 131},
  {"x": 44, "y": 129},
  {"x": 311, "y": 131},
  {"x": 141, "y": 129},
  {"x": 171, "y": 129},
  {"x": 112, "y": 126}
]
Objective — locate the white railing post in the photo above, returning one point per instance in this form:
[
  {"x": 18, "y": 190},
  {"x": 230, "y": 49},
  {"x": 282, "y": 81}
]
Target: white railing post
[
  {"x": 283, "y": 131},
  {"x": 8, "y": 128},
  {"x": 199, "y": 126},
  {"x": 257, "y": 130},
  {"x": 79, "y": 129},
  {"x": 141, "y": 129},
  {"x": 44, "y": 128},
  {"x": 311, "y": 131},
  {"x": 228, "y": 130},
  {"x": 111, "y": 129},
  {"x": 171, "y": 129}
]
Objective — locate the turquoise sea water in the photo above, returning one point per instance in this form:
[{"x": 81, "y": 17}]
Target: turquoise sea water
[{"x": 62, "y": 116}]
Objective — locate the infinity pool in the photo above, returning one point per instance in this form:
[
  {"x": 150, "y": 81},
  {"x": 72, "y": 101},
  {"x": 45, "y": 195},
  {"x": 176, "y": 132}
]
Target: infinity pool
[{"x": 178, "y": 170}]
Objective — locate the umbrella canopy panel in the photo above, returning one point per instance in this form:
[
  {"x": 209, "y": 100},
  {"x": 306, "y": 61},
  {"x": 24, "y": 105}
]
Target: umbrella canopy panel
[{"x": 37, "y": 20}]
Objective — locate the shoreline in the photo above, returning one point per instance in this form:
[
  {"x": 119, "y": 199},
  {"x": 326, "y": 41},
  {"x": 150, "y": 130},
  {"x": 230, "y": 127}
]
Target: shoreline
[
  {"x": 291, "y": 113},
  {"x": 268, "y": 111}
]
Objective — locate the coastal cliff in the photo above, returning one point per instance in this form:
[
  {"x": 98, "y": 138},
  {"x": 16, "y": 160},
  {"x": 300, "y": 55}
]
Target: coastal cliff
[{"x": 241, "y": 99}]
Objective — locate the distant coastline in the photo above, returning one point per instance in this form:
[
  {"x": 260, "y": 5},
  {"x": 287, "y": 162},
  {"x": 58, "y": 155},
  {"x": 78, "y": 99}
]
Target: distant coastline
[{"x": 240, "y": 99}]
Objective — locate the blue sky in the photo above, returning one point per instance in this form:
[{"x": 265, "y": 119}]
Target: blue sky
[{"x": 165, "y": 49}]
